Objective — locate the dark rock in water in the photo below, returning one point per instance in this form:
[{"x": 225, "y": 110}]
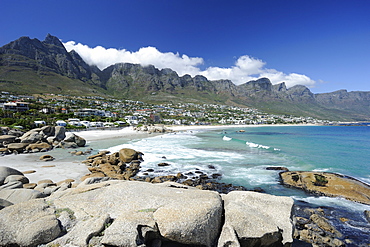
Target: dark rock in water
[
  {"x": 314, "y": 228},
  {"x": 258, "y": 189},
  {"x": 161, "y": 179},
  {"x": 367, "y": 215},
  {"x": 163, "y": 164},
  {"x": 212, "y": 167},
  {"x": 277, "y": 168},
  {"x": 150, "y": 170},
  {"x": 216, "y": 175}
]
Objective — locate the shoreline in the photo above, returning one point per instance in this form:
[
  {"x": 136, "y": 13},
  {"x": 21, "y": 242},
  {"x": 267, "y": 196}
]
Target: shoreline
[
  {"x": 200, "y": 127},
  {"x": 65, "y": 165},
  {"x": 68, "y": 166}
]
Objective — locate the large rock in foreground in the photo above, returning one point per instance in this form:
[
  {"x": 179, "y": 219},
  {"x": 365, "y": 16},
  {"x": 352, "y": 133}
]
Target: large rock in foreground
[
  {"x": 143, "y": 211},
  {"x": 132, "y": 213},
  {"x": 256, "y": 219},
  {"x": 29, "y": 223},
  {"x": 328, "y": 184}
]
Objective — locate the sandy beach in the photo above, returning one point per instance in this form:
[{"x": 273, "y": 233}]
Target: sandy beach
[{"x": 67, "y": 166}]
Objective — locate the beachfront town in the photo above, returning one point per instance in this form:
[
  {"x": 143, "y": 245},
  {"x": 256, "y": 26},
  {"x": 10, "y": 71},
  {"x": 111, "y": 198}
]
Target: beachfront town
[{"x": 26, "y": 111}]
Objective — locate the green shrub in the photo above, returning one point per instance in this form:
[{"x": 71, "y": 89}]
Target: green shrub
[{"x": 320, "y": 180}]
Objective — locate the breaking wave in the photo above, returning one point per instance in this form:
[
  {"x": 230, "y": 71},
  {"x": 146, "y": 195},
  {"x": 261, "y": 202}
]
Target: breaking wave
[{"x": 255, "y": 145}]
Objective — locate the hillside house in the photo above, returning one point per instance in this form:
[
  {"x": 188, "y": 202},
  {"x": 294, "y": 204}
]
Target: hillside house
[{"x": 16, "y": 106}]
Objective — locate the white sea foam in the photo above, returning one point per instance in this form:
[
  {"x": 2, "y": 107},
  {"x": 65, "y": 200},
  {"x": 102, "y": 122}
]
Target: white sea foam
[
  {"x": 253, "y": 176},
  {"x": 321, "y": 170},
  {"x": 176, "y": 150},
  {"x": 225, "y": 138},
  {"x": 255, "y": 145},
  {"x": 334, "y": 202}
]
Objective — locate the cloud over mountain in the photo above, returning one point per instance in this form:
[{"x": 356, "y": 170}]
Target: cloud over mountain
[{"x": 246, "y": 68}]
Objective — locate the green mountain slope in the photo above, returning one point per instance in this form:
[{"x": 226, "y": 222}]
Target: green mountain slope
[{"x": 31, "y": 66}]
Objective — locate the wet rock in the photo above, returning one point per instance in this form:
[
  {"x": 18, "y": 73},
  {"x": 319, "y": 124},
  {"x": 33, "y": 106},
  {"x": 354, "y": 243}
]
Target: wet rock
[
  {"x": 4, "y": 151},
  {"x": 7, "y": 138},
  {"x": 317, "y": 230},
  {"x": 161, "y": 179},
  {"x": 212, "y": 167},
  {"x": 17, "y": 147},
  {"x": 329, "y": 184},
  {"x": 163, "y": 164},
  {"x": 216, "y": 175},
  {"x": 367, "y": 215},
  {"x": 277, "y": 168},
  {"x": 39, "y": 146},
  {"x": 127, "y": 155},
  {"x": 47, "y": 157},
  {"x": 45, "y": 181},
  {"x": 71, "y": 137},
  {"x": 29, "y": 172}
]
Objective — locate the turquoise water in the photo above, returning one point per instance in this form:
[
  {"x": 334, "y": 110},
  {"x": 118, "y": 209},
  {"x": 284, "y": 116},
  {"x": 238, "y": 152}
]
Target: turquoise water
[{"x": 242, "y": 158}]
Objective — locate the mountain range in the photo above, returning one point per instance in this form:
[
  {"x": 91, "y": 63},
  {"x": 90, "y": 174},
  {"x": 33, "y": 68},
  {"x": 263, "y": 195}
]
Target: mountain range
[{"x": 29, "y": 66}]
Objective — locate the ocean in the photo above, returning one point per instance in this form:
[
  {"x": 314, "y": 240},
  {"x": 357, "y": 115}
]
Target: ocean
[{"x": 242, "y": 154}]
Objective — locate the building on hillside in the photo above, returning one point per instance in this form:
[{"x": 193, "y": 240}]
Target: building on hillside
[
  {"x": 61, "y": 123},
  {"x": 74, "y": 121},
  {"x": 38, "y": 123},
  {"x": 155, "y": 118},
  {"x": 16, "y": 106},
  {"x": 89, "y": 112},
  {"x": 132, "y": 120}
]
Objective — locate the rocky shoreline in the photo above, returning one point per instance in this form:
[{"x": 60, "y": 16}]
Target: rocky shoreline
[
  {"x": 328, "y": 184},
  {"x": 120, "y": 169}
]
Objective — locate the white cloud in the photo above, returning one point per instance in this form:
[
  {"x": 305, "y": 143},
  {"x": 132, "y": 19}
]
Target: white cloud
[{"x": 246, "y": 68}]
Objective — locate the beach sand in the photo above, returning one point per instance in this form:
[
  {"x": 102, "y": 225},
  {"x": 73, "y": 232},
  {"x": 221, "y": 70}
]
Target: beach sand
[{"x": 67, "y": 166}]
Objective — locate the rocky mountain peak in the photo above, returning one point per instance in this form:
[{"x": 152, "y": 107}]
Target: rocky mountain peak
[
  {"x": 281, "y": 87},
  {"x": 52, "y": 40},
  {"x": 262, "y": 84}
]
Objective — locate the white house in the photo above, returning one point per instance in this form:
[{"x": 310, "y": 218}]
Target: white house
[
  {"x": 37, "y": 123},
  {"x": 74, "y": 121},
  {"x": 85, "y": 123},
  {"x": 132, "y": 120},
  {"x": 61, "y": 123}
]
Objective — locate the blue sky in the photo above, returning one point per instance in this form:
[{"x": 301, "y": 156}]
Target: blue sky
[{"x": 323, "y": 44}]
